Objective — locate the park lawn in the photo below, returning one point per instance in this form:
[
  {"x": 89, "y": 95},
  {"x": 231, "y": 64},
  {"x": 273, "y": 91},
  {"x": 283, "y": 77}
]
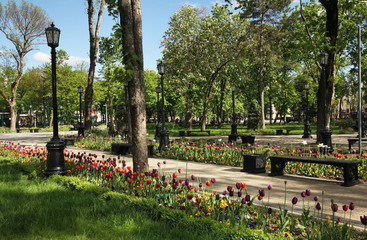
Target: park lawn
[{"x": 41, "y": 209}]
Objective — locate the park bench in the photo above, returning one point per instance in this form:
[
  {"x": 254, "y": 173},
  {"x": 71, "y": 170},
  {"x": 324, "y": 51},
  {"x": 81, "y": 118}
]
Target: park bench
[
  {"x": 248, "y": 139},
  {"x": 27, "y": 129},
  {"x": 189, "y": 132},
  {"x": 350, "y": 168},
  {"x": 124, "y": 149},
  {"x": 351, "y": 141},
  {"x": 68, "y": 141},
  {"x": 280, "y": 131}
]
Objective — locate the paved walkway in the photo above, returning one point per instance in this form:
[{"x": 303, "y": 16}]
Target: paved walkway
[{"x": 229, "y": 175}]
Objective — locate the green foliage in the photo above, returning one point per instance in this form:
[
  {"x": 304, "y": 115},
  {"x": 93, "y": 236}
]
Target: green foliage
[{"x": 254, "y": 115}]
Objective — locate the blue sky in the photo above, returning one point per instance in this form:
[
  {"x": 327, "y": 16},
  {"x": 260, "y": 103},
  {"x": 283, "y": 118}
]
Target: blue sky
[{"x": 71, "y": 18}]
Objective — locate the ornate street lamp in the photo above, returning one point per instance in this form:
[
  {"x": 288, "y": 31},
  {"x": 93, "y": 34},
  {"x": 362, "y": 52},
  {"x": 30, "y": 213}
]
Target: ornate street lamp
[
  {"x": 326, "y": 132},
  {"x": 80, "y": 127},
  {"x": 157, "y": 126},
  {"x": 307, "y": 128},
  {"x": 126, "y": 130},
  {"x": 164, "y": 134},
  {"x": 234, "y": 135},
  {"x": 55, "y": 147}
]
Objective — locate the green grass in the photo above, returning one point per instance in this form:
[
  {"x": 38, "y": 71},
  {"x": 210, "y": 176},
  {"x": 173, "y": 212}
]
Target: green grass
[{"x": 40, "y": 209}]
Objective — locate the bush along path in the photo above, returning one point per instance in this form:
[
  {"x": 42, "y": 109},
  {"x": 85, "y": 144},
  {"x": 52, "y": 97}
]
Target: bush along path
[{"x": 235, "y": 211}]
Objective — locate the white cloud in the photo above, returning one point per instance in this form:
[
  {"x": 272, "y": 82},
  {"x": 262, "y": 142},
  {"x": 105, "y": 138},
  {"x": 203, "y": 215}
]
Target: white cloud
[
  {"x": 73, "y": 61},
  {"x": 41, "y": 57}
]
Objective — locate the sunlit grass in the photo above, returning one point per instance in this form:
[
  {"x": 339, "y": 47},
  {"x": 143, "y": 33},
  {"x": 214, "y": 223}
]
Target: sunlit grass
[{"x": 40, "y": 209}]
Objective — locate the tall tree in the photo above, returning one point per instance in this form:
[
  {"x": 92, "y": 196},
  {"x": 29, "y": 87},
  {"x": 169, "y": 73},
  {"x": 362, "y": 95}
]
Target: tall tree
[
  {"x": 262, "y": 14},
  {"x": 23, "y": 26},
  {"x": 129, "y": 12},
  {"x": 216, "y": 41},
  {"x": 110, "y": 53},
  {"x": 93, "y": 52},
  {"x": 327, "y": 26}
]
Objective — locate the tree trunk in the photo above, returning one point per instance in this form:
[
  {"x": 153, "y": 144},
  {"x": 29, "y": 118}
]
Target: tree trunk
[
  {"x": 93, "y": 52},
  {"x": 13, "y": 115},
  {"x": 261, "y": 72},
  {"x": 212, "y": 79},
  {"x": 332, "y": 24},
  {"x": 130, "y": 20}
]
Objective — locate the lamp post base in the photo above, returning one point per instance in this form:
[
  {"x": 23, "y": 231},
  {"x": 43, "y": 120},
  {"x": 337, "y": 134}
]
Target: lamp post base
[
  {"x": 55, "y": 158},
  {"x": 326, "y": 139},
  {"x": 80, "y": 131},
  {"x": 157, "y": 131},
  {"x": 307, "y": 130},
  {"x": 164, "y": 140},
  {"x": 233, "y": 137},
  {"x": 126, "y": 132}
]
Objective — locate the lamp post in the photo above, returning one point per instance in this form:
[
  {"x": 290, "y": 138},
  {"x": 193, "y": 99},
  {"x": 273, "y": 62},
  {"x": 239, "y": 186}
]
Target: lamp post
[
  {"x": 44, "y": 112},
  {"x": 30, "y": 115},
  {"x": 61, "y": 119},
  {"x": 234, "y": 135},
  {"x": 307, "y": 128},
  {"x": 157, "y": 126},
  {"x": 326, "y": 132},
  {"x": 164, "y": 134},
  {"x": 126, "y": 130},
  {"x": 80, "y": 127},
  {"x": 55, "y": 147}
]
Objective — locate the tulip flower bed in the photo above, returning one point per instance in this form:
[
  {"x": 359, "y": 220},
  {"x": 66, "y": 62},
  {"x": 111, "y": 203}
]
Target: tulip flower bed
[
  {"x": 231, "y": 154},
  {"x": 234, "y": 206}
]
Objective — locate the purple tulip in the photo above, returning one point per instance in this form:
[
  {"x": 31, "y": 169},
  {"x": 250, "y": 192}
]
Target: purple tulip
[
  {"x": 316, "y": 198},
  {"x": 345, "y": 208},
  {"x": 213, "y": 180},
  {"x": 229, "y": 188},
  {"x": 334, "y": 207},
  {"x": 238, "y": 185},
  {"x": 239, "y": 194},
  {"x": 308, "y": 192},
  {"x": 243, "y": 201},
  {"x": 303, "y": 194},
  {"x": 163, "y": 178},
  {"x": 351, "y": 206},
  {"x": 364, "y": 220},
  {"x": 200, "y": 185},
  {"x": 224, "y": 192},
  {"x": 187, "y": 182},
  {"x": 318, "y": 206},
  {"x": 270, "y": 210},
  {"x": 294, "y": 200},
  {"x": 158, "y": 164},
  {"x": 192, "y": 177},
  {"x": 247, "y": 198},
  {"x": 262, "y": 192},
  {"x": 270, "y": 187},
  {"x": 231, "y": 193},
  {"x": 217, "y": 197},
  {"x": 179, "y": 170}
]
